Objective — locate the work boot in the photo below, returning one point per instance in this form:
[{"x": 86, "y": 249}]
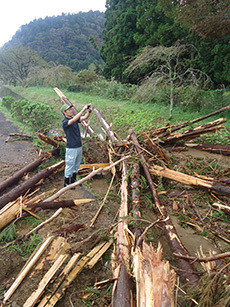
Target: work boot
[
  {"x": 67, "y": 181},
  {"x": 73, "y": 179}
]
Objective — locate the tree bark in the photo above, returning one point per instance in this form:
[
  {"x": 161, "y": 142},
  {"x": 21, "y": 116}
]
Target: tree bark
[
  {"x": 31, "y": 183},
  {"x": 155, "y": 281},
  {"x": 189, "y": 134},
  {"x": 188, "y": 271},
  {"x": 189, "y": 180},
  {"x": 107, "y": 128},
  {"x": 18, "y": 175},
  {"x": 58, "y": 204},
  {"x": 135, "y": 177},
  {"x": 122, "y": 287},
  {"x": 48, "y": 140},
  {"x": 214, "y": 148}
]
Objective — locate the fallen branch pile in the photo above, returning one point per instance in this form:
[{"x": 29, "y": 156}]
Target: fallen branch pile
[{"x": 134, "y": 261}]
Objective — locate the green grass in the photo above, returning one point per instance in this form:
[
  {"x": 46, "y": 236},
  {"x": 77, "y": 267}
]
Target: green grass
[{"x": 123, "y": 115}]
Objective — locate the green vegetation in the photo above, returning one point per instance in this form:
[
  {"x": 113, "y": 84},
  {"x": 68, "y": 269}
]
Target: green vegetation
[
  {"x": 36, "y": 116},
  {"x": 64, "y": 39},
  {"x": 123, "y": 114}
]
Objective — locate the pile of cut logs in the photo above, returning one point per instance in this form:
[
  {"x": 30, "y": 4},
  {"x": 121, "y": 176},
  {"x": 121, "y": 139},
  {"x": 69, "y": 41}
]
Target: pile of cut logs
[{"x": 153, "y": 277}]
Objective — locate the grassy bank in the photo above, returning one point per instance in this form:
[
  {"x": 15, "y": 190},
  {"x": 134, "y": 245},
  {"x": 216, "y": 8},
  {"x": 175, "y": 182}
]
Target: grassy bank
[{"x": 122, "y": 114}]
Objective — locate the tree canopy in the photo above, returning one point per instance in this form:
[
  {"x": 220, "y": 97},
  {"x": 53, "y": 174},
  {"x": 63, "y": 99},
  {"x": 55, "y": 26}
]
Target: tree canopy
[{"x": 131, "y": 26}]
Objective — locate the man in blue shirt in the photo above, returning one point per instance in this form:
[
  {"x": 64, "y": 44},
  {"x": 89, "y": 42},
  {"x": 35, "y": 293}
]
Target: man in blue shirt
[{"x": 73, "y": 153}]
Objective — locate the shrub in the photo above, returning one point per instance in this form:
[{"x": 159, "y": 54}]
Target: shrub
[
  {"x": 111, "y": 89},
  {"x": 37, "y": 116},
  {"x": 86, "y": 76},
  {"x": 7, "y": 101}
]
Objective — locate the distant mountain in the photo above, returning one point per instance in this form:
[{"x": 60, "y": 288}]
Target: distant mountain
[{"x": 69, "y": 39}]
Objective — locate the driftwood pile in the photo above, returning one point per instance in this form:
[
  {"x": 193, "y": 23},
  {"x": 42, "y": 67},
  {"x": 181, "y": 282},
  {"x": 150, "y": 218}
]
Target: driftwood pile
[{"x": 133, "y": 261}]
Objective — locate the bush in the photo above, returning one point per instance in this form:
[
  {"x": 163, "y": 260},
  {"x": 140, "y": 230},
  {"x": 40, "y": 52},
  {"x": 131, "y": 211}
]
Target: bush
[
  {"x": 86, "y": 76},
  {"x": 112, "y": 89},
  {"x": 76, "y": 88},
  {"x": 37, "y": 116},
  {"x": 7, "y": 101}
]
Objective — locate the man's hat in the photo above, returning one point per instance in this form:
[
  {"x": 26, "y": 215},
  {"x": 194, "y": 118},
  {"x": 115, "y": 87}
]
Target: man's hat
[{"x": 65, "y": 107}]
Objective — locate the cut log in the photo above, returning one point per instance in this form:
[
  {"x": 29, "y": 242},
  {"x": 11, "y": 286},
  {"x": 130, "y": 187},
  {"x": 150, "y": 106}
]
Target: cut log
[
  {"x": 188, "y": 271},
  {"x": 91, "y": 175},
  {"x": 18, "y": 175},
  {"x": 136, "y": 195},
  {"x": 155, "y": 281},
  {"x": 66, "y": 100},
  {"x": 106, "y": 127},
  {"x": 189, "y": 180},
  {"x": 9, "y": 212},
  {"x": 191, "y": 134},
  {"x": 121, "y": 295},
  {"x": 48, "y": 140},
  {"x": 23, "y": 135},
  {"x": 214, "y": 148},
  {"x": 59, "y": 204},
  {"x": 31, "y": 183}
]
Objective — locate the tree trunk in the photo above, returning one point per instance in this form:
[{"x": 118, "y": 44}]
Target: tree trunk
[
  {"x": 31, "y": 183},
  {"x": 189, "y": 180},
  {"x": 122, "y": 287},
  {"x": 155, "y": 281},
  {"x": 188, "y": 271},
  {"x": 189, "y": 134},
  {"x": 104, "y": 124},
  {"x": 58, "y": 204},
  {"x": 18, "y": 175},
  {"x": 135, "y": 177},
  {"x": 214, "y": 148}
]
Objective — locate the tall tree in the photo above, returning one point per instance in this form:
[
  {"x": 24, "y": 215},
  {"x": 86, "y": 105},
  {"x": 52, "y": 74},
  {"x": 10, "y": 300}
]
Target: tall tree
[
  {"x": 209, "y": 18},
  {"x": 167, "y": 65},
  {"x": 16, "y": 63},
  {"x": 154, "y": 27},
  {"x": 119, "y": 43}
]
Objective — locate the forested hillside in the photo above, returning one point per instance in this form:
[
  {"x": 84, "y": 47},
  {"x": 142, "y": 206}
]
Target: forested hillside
[
  {"x": 70, "y": 39},
  {"x": 133, "y": 25}
]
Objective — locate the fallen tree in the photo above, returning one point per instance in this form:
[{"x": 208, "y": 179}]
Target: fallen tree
[
  {"x": 22, "y": 172},
  {"x": 31, "y": 183},
  {"x": 189, "y": 180},
  {"x": 187, "y": 270}
]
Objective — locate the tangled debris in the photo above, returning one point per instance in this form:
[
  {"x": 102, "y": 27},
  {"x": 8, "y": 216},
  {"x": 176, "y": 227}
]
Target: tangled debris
[{"x": 140, "y": 276}]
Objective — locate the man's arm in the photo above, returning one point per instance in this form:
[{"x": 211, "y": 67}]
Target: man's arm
[
  {"x": 84, "y": 117},
  {"x": 77, "y": 116}
]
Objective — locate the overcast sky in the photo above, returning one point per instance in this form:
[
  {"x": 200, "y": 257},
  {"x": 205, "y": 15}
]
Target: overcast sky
[{"x": 15, "y": 13}]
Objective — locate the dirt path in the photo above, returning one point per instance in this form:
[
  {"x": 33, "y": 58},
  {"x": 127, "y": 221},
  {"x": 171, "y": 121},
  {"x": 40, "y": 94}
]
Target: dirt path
[{"x": 15, "y": 154}]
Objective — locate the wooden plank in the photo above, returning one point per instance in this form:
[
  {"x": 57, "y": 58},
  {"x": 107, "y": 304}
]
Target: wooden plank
[
  {"x": 26, "y": 270},
  {"x": 60, "y": 279},
  {"x": 32, "y": 300}
]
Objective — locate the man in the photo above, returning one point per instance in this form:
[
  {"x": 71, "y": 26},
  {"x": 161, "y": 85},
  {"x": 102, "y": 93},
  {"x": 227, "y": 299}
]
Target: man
[{"x": 74, "y": 145}]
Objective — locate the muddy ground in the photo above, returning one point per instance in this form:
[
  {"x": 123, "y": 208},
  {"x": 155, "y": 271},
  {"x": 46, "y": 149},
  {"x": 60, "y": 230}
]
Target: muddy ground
[{"x": 16, "y": 153}]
